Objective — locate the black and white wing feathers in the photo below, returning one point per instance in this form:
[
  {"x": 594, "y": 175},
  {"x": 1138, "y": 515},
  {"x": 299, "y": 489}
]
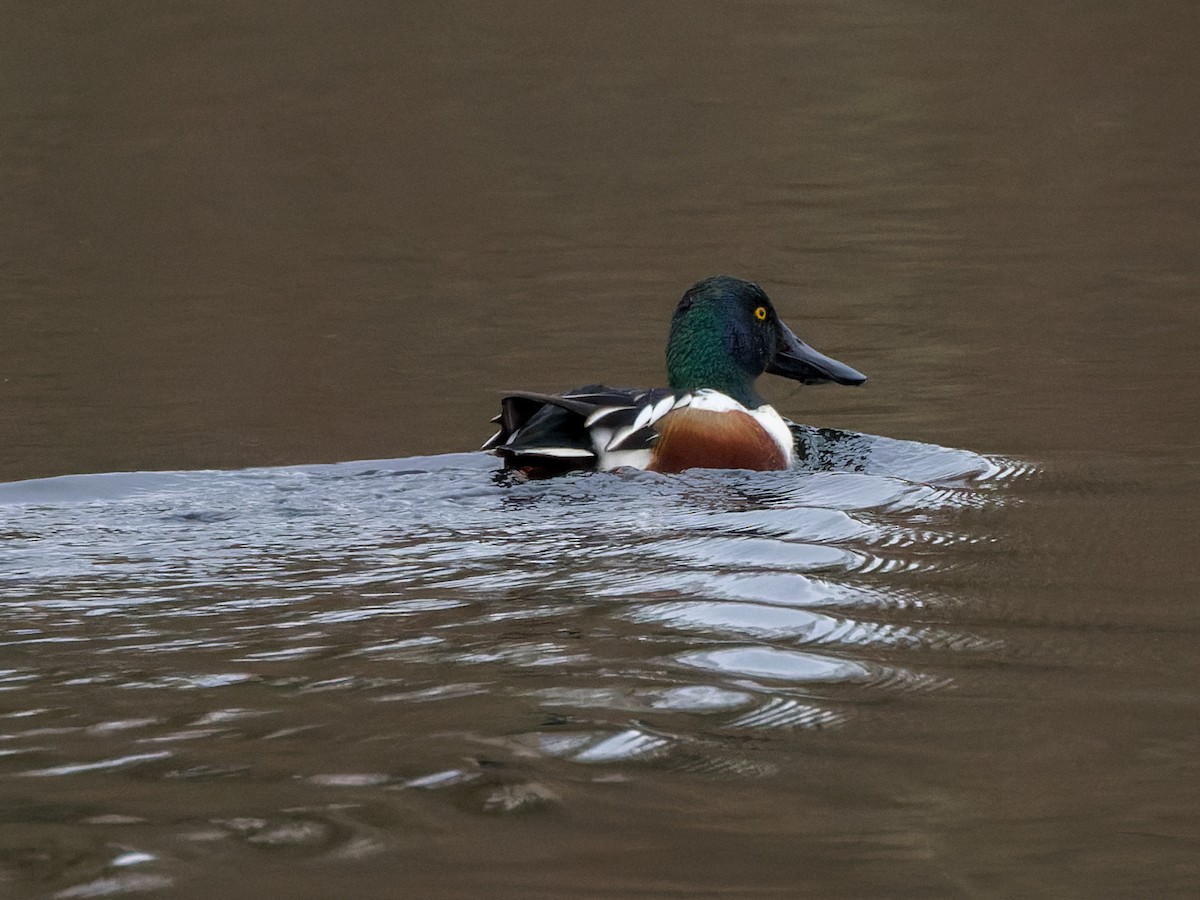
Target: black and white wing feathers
[{"x": 580, "y": 428}]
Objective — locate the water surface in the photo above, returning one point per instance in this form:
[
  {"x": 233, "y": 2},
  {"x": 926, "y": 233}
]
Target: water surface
[
  {"x": 243, "y": 244},
  {"x": 339, "y": 663}
]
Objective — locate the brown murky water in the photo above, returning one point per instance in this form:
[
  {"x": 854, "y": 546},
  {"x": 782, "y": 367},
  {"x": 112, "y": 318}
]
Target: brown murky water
[{"x": 250, "y": 236}]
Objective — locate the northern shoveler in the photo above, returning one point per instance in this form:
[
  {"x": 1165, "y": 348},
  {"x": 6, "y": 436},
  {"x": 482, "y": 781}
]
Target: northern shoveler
[{"x": 724, "y": 334}]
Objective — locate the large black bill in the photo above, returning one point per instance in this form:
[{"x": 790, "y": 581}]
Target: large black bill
[{"x": 796, "y": 360}]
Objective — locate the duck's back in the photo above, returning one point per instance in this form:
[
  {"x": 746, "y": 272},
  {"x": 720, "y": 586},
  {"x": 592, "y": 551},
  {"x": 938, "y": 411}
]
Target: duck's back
[{"x": 592, "y": 427}]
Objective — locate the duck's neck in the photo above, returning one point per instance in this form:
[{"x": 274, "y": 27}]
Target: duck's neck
[{"x": 690, "y": 371}]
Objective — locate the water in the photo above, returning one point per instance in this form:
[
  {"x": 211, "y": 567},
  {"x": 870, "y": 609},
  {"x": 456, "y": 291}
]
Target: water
[
  {"x": 269, "y": 659},
  {"x": 242, "y": 244}
]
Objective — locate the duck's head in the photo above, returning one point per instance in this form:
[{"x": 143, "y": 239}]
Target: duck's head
[{"x": 725, "y": 333}]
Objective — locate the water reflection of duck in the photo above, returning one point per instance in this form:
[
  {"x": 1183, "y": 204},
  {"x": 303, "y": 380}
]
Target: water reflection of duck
[{"x": 724, "y": 334}]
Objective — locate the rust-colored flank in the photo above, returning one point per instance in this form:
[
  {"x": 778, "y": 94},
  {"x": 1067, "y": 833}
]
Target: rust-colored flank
[{"x": 691, "y": 438}]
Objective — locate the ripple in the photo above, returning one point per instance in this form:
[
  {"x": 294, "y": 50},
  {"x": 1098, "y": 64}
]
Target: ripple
[
  {"x": 351, "y": 779},
  {"x": 604, "y": 619},
  {"x": 192, "y": 682},
  {"x": 597, "y": 748},
  {"x": 119, "y": 762},
  {"x": 696, "y": 698},
  {"x": 786, "y": 713},
  {"x": 751, "y": 552},
  {"x": 780, "y": 665},
  {"x": 753, "y": 619},
  {"x": 691, "y": 698},
  {"x": 440, "y": 779},
  {"x": 129, "y": 883}
]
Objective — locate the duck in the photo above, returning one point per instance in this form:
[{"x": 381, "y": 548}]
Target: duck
[{"x": 724, "y": 334}]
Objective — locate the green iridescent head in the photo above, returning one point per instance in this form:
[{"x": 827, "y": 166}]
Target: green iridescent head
[{"x": 725, "y": 333}]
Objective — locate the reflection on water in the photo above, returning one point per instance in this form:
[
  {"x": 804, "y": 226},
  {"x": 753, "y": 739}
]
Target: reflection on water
[{"x": 317, "y": 635}]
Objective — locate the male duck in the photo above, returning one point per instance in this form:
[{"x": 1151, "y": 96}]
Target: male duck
[{"x": 724, "y": 334}]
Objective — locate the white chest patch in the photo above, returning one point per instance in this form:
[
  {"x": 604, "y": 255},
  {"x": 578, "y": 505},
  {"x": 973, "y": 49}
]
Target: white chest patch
[
  {"x": 715, "y": 401},
  {"x": 774, "y": 425}
]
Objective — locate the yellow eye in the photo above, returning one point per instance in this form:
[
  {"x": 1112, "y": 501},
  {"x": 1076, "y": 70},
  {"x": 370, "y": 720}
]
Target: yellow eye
[{"x": 761, "y": 314}]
